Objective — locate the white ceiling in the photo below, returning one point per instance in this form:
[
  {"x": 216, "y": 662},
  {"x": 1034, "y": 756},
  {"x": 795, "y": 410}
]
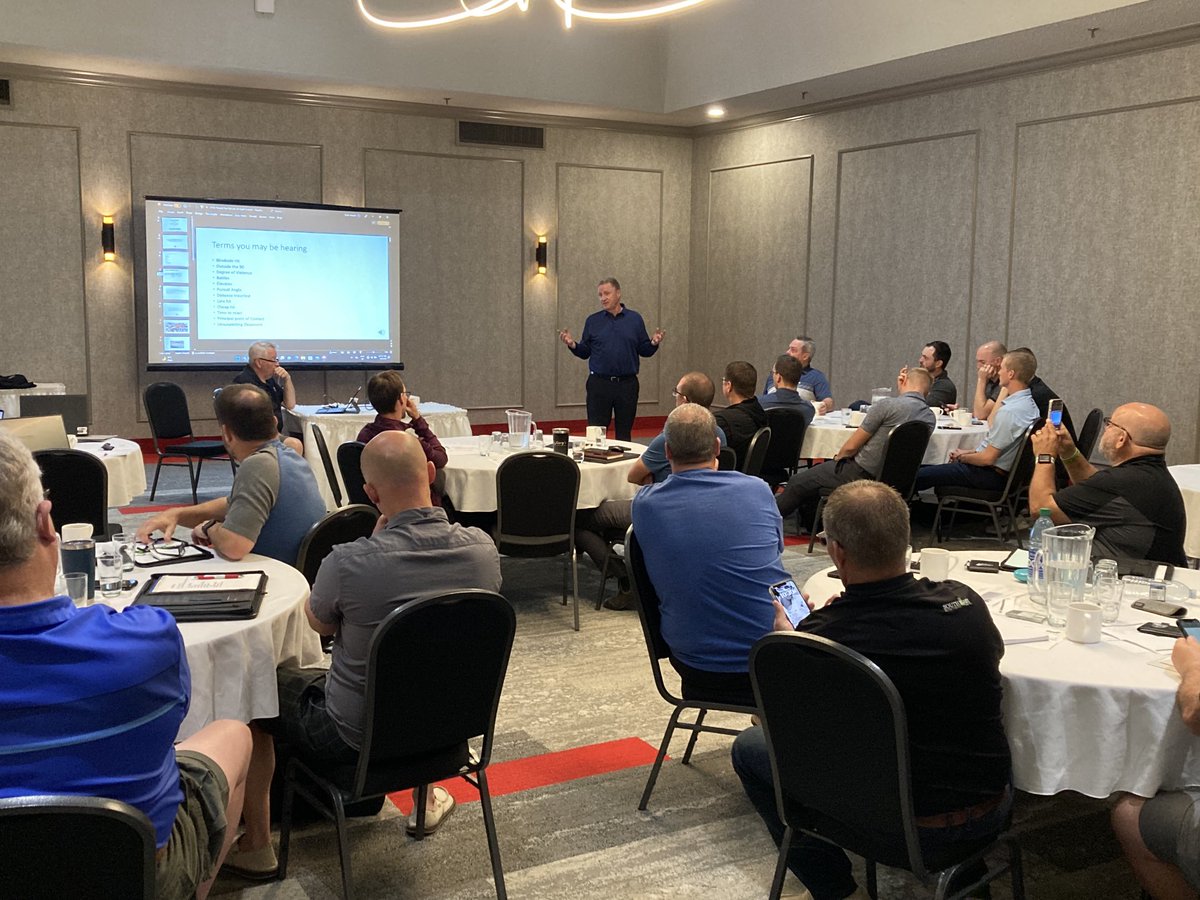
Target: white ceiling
[{"x": 752, "y": 56}]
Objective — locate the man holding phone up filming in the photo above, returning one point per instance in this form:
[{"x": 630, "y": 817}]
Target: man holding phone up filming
[{"x": 937, "y": 643}]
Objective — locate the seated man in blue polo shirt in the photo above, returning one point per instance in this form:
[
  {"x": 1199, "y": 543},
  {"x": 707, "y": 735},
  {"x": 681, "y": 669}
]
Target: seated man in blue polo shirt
[
  {"x": 987, "y": 466},
  {"x": 91, "y": 701},
  {"x": 712, "y": 542}
]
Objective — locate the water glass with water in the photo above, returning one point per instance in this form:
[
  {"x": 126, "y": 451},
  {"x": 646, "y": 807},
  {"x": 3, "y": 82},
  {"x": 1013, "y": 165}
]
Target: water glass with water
[
  {"x": 108, "y": 569},
  {"x": 125, "y": 541},
  {"x": 1106, "y": 590}
]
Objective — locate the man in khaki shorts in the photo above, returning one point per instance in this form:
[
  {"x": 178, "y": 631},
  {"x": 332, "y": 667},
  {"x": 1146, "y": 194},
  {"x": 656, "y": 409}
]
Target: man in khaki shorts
[{"x": 61, "y": 734}]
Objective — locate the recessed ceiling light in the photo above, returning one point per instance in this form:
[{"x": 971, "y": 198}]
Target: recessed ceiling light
[{"x": 715, "y": 112}]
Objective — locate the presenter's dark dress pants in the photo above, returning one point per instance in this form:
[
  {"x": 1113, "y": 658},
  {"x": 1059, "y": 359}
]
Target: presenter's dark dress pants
[{"x": 608, "y": 399}]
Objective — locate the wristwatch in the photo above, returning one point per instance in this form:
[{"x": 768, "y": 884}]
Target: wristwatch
[
  {"x": 1044, "y": 458},
  {"x": 205, "y": 527}
]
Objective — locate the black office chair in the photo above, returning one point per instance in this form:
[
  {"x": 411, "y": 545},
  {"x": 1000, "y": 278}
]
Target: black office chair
[
  {"x": 756, "y": 452},
  {"x": 167, "y": 411},
  {"x": 77, "y": 485},
  {"x": 1090, "y": 432},
  {"x": 434, "y": 675},
  {"x": 330, "y": 473},
  {"x": 981, "y": 502},
  {"x": 727, "y": 460},
  {"x": 647, "y": 603},
  {"x": 338, "y": 527},
  {"x": 783, "y": 453},
  {"x": 536, "y": 496},
  {"x": 87, "y": 848},
  {"x": 860, "y": 796},
  {"x": 349, "y": 458},
  {"x": 902, "y": 457}
]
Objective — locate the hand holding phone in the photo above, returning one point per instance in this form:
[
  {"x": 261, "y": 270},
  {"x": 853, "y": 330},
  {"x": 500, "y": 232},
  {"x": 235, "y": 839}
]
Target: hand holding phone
[
  {"x": 791, "y": 600},
  {"x": 1054, "y": 412}
]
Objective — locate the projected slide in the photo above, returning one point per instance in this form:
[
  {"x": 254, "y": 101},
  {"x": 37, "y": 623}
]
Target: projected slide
[{"x": 320, "y": 282}]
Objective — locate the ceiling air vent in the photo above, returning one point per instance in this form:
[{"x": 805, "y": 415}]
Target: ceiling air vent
[
  {"x": 494, "y": 135},
  {"x": 5, "y": 93}
]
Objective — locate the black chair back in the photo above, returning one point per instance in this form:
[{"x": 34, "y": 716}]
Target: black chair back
[
  {"x": 349, "y": 457},
  {"x": 77, "y": 485},
  {"x": 902, "y": 457},
  {"x": 80, "y": 847},
  {"x": 536, "y": 494},
  {"x": 787, "y": 435},
  {"x": 167, "y": 411},
  {"x": 338, "y": 527},
  {"x": 727, "y": 459},
  {"x": 647, "y": 603},
  {"x": 330, "y": 474},
  {"x": 1088, "y": 435},
  {"x": 756, "y": 453}
]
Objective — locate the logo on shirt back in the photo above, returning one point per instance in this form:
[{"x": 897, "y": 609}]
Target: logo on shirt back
[{"x": 956, "y": 604}]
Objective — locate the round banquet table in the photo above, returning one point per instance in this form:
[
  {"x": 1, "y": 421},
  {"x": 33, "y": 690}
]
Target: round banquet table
[
  {"x": 1092, "y": 718},
  {"x": 471, "y": 478},
  {"x": 233, "y": 663},
  {"x": 126, "y": 471},
  {"x": 1188, "y": 479},
  {"x": 826, "y": 434}
]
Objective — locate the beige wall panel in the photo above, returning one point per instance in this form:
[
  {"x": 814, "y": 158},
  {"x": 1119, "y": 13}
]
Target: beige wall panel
[
  {"x": 1106, "y": 226},
  {"x": 757, "y": 277},
  {"x": 189, "y": 166},
  {"x": 462, "y": 262},
  {"x": 904, "y": 250},
  {"x": 43, "y": 324},
  {"x": 610, "y": 225}
]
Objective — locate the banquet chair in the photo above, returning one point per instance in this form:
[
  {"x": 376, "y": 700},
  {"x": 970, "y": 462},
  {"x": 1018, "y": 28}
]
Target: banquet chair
[
  {"x": 338, "y": 527},
  {"x": 902, "y": 457},
  {"x": 77, "y": 485},
  {"x": 860, "y": 797},
  {"x": 167, "y": 411},
  {"x": 727, "y": 459},
  {"x": 756, "y": 452},
  {"x": 330, "y": 474},
  {"x": 783, "y": 452},
  {"x": 536, "y": 496},
  {"x": 981, "y": 502},
  {"x": 90, "y": 848},
  {"x": 1090, "y": 432},
  {"x": 435, "y": 671},
  {"x": 349, "y": 457},
  {"x": 647, "y": 603}
]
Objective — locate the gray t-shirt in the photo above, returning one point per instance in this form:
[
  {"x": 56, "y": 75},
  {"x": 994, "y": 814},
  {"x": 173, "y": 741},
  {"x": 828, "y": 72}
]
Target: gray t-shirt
[
  {"x": 274, "y": 501},
  {"x": 419, "y": 553},
  {"x": 881, "y": 418}
]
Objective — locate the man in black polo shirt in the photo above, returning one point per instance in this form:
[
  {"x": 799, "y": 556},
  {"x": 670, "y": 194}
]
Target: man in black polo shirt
[
  {"x": 1135, "y": 506},
  {"x": 613, "y": 340},
  {"x": 744, "y": 415},
  {"x": 937, "y": 643},
  {"x": 263, "y": 370}
]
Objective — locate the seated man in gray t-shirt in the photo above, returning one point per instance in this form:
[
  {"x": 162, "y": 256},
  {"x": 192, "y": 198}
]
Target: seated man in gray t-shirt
[{"x": 862, "y": 454}]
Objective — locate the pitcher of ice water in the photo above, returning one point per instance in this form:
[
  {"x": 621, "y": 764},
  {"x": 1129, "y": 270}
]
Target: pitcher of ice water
[
  {"x": 519, "y": 422},
  {"x": 1065, "y": 557}
]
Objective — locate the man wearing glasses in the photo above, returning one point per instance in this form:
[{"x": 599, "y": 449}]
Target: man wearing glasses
[
  {"x": 1135, "y": 506},
  {"x": 263, "y": 370}
]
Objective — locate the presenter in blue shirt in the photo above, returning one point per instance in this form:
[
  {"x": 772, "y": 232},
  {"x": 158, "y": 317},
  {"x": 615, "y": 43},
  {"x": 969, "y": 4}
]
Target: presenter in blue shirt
[{"x": 613, "y": 340}]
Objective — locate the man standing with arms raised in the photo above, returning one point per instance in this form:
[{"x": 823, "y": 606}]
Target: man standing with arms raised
[{"x": 613, "y": 340}]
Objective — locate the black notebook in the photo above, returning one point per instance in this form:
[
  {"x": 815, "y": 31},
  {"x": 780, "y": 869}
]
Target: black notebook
[{"x": 205, "y": 596}]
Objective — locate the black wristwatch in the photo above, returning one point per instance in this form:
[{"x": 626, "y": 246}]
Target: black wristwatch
[
  {"x": 1044, "y": 458},
  {"x": 205, "y": 527}
]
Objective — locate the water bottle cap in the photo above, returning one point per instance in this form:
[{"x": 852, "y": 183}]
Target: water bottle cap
[{"x": 1044, "y": 511}]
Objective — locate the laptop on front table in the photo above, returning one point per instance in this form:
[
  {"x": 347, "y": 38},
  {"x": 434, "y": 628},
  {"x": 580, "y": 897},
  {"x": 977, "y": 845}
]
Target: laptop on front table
[{"x": 37, "y": 432}]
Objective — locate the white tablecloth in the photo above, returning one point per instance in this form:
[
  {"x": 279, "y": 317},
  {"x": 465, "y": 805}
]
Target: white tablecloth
[
  {"x": 126, "y": 471},
  {"x": 471, "y": 478},
  {"x": 1188, "y": 479},
  {"x": 338, "y": 428},
  {"x": 10, "y": 401},
  {"x": 1092, "y": 718},
  {"x": 233, "y": 663},
  {"x": 826, "y": 434}
]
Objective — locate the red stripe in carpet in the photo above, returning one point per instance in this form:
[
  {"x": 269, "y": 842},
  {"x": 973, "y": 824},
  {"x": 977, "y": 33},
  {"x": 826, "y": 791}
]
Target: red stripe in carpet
[
  {"x": 135, "y": 510},
  {"x": 549, "y": 768},
  {"x": 791, "y": 540}
]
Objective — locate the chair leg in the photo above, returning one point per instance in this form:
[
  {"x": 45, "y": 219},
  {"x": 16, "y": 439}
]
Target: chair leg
[
  {"x": 935, "y": 530},
  {"x": 419, "y": 808},
  {"x": 812, "y": 534},
  {"x": 157, "y": 470},
  {"x": 574, "y": 584},
  {"x": 603, "y": 577},
  {"x": 672, "y": 724},
  {"x": 343, "y": 845},
  {"x": 489, "y": 826},
  {"x": 785, "y": 847},
  {"x": 872, "y": 879},
  {"x": 194, "y": 477},
  {"x": 687, "y": 754},
  {"x": 285, "y": 824},
  {"x": 1016, "y": 870}
]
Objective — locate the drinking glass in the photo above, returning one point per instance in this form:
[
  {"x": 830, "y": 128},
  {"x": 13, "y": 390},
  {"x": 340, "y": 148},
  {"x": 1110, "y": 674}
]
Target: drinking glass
[
  {"x": 77, "y": 587},
  {"x": 108, "y": 569},
  {"x": 497, "y": 441},
  {"x": 125, "y": 541},
  {"x": 1106, "y": 590},
  {"x": 537, "y": 440},
  {"x": 485, "y": 444}
]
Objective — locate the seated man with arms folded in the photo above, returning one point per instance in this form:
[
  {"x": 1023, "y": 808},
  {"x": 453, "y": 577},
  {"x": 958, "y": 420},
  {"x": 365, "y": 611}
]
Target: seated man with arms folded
[
  {"x": 862, "y": 454},
  {"x": 987, "y": 466},
  {"x": 91, "y": 701},
  {"x": 744, "y": 415},
  {"x": 785, "y": 376},
  {"x": 812, "y": 385},
  {"x": 274, "y": 500},
  {"x": 1135, "y": 506},
  {"x": 937, "y": 643},
  {"x": 712, "y": 543},
  {"x": 264, "y": 371},
  {"x": 593, "y": 527},
  {"x": 414, "y": 552}
]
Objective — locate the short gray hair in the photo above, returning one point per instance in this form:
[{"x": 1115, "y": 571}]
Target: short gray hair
[
  {"x": 691, "y": 434},
  {"x": 20, "y": 494},
  {"x": 807, "y": 344},
  {"x": 870, "y": 521},
  {"x": 259, "y": 349}
]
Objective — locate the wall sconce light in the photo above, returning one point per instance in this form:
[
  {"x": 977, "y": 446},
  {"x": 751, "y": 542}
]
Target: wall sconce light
[
  {"x": 108, "y": 240},
  {"x": 539, "y": 254}
]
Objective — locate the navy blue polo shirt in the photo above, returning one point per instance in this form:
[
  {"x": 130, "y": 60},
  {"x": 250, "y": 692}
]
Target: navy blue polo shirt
[{"x": 614, "y": 343}]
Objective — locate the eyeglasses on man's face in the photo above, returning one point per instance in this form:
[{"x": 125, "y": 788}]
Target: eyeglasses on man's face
[
  {"x": 1108, "y": 421},
  {"x": 677, "y": 393}
]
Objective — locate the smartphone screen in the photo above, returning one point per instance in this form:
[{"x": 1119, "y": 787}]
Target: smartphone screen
[
  {"x": 1055, "y": 412},
  {"x": 1190, "y": 627},
  {"x": 789, "y": 595}
]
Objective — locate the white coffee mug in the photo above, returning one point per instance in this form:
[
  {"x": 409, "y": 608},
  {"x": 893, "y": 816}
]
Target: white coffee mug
[
  {"x": 596, "y": 435},
  {"x": 1083, "y": 623},
  {"x": 856, "y": 417},
  {"x": 936, "y": 563},
  {"x": 962, "y": 416},
  {"x": 78, "y": 531}
]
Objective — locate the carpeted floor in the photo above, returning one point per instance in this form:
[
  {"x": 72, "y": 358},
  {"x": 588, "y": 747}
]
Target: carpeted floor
[{"x": 568, "y": 824}]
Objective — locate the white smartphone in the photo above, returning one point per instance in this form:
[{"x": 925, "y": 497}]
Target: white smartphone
[
  {"x": 789, "y": 595},
  {"x": 1054, "y": 412}
]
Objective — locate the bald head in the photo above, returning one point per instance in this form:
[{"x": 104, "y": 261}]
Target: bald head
[
  {"x": 396, "y": 472},
  {"x": 1147, "y": 425}
]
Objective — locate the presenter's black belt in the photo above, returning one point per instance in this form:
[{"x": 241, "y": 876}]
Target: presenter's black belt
[{"x": 614, "y": 377}]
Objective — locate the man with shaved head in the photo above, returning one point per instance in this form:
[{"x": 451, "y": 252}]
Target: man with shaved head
[
  {"x": 1135, "y": 506},
  {"x": 987, "y": 383},
  {"x": 415, "y": 551}
]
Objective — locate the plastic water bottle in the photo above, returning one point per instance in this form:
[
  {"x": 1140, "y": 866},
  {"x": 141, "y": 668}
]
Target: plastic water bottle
[{"x": 1037, "y": 578}]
